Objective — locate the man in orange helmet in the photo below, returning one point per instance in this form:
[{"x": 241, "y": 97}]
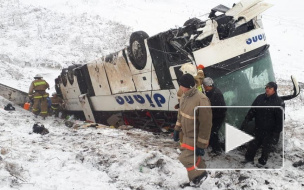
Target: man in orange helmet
[{"x": 199, "y": 77}]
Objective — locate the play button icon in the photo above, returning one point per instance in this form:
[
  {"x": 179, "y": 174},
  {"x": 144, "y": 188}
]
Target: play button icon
[{"x": 235, "y": 138}]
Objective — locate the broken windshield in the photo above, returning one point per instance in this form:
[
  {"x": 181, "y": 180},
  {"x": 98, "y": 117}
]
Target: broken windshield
[{"x": 241, "y": 87}]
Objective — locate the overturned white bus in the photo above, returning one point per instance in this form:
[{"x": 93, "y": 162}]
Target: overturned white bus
[{"x": 139, "y": 83}]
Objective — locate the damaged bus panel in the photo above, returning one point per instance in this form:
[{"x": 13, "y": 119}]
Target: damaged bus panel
[{"x": 138, "y": 84}]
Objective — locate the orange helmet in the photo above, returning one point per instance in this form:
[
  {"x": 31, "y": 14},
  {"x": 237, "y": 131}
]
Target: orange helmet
[{"x": 200, "y": 67}]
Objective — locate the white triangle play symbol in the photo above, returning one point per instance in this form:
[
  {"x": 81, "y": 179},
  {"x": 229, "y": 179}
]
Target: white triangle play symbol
[{"x": 235, "y": 138}]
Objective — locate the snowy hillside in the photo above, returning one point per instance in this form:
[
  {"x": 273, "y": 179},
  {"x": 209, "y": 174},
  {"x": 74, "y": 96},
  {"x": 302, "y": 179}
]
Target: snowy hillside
[{"x": 44, "y": 36}]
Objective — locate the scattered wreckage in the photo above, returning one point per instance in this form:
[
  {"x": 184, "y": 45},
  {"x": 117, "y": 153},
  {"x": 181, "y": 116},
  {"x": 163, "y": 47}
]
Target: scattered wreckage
[{"x": 138, "y": 85}]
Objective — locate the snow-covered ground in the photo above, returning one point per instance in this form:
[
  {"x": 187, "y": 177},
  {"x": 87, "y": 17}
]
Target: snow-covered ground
[{"x": 44, "y": 36}]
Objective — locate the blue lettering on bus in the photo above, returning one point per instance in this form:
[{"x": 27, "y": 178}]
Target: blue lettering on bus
[
  {"x": 129, "y": 99},
  {"x": 159, "y": 99},
  {"x": 119, "y": 100},
  {"x": 255, "y": 38},
  {"x": 149, "y": 99},
  {"x": 139, "y": 99}
]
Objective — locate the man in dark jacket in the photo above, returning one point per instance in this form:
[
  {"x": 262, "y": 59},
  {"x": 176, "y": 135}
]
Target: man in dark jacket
[
  {"x": 218, "y": 114},
  {"x": 268, "y": 123}
]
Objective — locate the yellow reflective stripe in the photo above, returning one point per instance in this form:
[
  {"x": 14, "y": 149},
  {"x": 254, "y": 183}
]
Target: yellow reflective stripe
[
  {"x": 46, "y": 95},
  {"x": 186, "y": 115},
  {"x": 37, "y": 96},
  {"x": 200, "y": 88},
  {"x": 204, "y": 141},
  {"x": 43, "y": 112},
  {"x": 35, "y": 109},
  {"x": 39, "y": 83},
  {"x": 54, "y": 108}
]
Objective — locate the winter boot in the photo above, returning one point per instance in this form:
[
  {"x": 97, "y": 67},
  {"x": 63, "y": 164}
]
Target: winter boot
[
  {"x": 262, "y": 162},
  {"x": 197, "y": 182},
  {"x": 247, "y": 161},
  {"x": 185, "y": 185}
]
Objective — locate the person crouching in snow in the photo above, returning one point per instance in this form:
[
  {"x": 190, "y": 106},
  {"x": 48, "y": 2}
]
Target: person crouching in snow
[
  {"x": 185, "y": 121},
  {"x": 57, "y": 104}
]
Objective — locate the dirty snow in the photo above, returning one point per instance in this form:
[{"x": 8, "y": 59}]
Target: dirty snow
[{"x": 44, "y": 36}]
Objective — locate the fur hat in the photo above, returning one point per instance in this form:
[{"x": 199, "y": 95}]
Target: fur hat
[{"x": 187, "y": 81}]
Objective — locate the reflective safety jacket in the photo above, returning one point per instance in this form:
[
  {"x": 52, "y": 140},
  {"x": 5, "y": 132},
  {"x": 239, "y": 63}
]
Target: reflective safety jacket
[
  {"x": 185, "y": 119},
  {"x": 56, "y": 102},
  {"x": 38, "y": 86},
  {"x": 199, "y": 80}
]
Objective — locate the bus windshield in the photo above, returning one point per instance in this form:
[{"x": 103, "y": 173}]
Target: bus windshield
[{"x": 241, "y": 87}]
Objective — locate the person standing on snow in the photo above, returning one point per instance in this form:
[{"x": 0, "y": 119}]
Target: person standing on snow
[
  {"x": 198, "y": 74},
  {"x": 218, "y": 114},
  {"x": 57, "y": 104},
  {"x": 185, "y": 121},
  {"x": 268, "y": 124},
  {"x": 37, "y": 92}
]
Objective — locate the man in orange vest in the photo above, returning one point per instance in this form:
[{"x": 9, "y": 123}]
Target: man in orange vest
[{"x": 37, "y": 92}]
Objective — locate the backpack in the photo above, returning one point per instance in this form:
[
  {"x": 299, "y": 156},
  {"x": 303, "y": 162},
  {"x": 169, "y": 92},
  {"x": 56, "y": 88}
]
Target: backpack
[
  {"x": 9, "y": 107},
  {"x": 40, "y": 129}
]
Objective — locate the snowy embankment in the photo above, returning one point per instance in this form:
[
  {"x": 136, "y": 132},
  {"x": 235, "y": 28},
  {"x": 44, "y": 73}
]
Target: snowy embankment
[
  {"x": 105, "y": 158},
  {"x": 35, "y": 39}
]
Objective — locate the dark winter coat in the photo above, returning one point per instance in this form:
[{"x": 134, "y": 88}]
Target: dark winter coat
[
  {"x": 267, "y": 120},
  {"x": 217, "y": 99}
]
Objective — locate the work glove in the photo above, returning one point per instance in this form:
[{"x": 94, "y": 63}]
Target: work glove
[
  {"x": 176, "y": 106},
  {"x": 176, "y": 136},
  {"x": 199, "y": 151}
]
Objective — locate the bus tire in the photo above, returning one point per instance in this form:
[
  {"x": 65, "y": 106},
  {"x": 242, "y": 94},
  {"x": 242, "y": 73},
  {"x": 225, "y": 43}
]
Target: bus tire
[
  {"x": 137, "y": 49},
  {"x": 192, "y": 21}
]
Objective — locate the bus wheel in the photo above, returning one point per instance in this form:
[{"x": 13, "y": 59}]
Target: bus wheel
[
  {"x": 137, "y": 50},
  {"x": 192, "y": 21}
]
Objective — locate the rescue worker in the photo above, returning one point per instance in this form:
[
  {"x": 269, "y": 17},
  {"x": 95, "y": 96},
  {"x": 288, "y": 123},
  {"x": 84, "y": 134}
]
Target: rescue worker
[
  {"x": 37, "y": 92},
  {"x": 57, "y": 104},
  {"x": 216, "y": 98},
  {"x": 185, "y": 68},
  {"x": 197, "y": 74},
  {"x": 185, "y": 121},
  {"x": 199, "y": 77},
  {"x": 268, "y": 124}
]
